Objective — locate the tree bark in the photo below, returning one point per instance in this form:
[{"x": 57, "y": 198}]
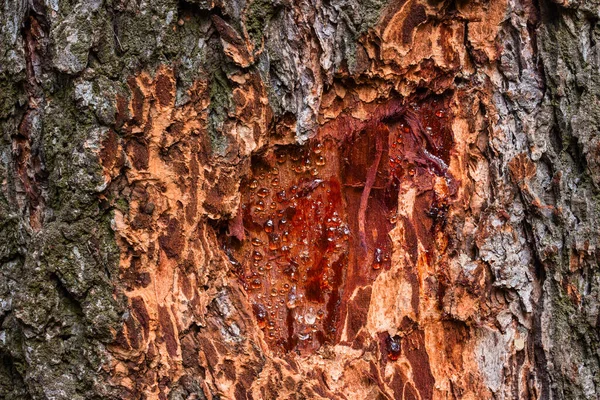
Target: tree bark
[{"x": 275, "y": 199}]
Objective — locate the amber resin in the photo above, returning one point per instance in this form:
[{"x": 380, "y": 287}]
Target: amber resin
[
  {"x": 316, "y": 218},
  {"x": 296, "y": 246}
]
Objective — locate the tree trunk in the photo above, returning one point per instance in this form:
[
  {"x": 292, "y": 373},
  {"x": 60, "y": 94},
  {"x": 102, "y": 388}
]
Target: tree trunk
[{"x": 275, "y": 199}]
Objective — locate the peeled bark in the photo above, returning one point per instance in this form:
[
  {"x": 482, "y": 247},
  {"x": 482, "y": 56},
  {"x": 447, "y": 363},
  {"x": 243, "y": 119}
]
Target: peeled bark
[{"x": 307, "y": 200}]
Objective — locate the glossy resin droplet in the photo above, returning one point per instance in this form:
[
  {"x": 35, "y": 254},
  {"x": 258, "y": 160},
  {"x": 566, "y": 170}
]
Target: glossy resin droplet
[{"x": 393, "y": 348}]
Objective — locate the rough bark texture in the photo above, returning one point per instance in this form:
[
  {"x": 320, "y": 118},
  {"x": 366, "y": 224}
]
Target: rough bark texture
[{"x": 277, "y": 199}]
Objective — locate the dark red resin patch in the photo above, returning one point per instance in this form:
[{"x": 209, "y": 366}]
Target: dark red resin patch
[
  {"x": 296, "y": 246},
  {"x": 316, "y": 219}
]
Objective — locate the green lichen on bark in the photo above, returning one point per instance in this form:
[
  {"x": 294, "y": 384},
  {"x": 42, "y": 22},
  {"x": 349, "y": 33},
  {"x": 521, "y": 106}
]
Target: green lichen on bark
[
  {"x": 220, "y": 104},
  {"x": 370, "y": 12},
  {"x": 62, "y": 297},
  {"x": 258, "y": 15},
  {"x": 11, "y": 94},
  {"x": 569, "y": 56}
]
